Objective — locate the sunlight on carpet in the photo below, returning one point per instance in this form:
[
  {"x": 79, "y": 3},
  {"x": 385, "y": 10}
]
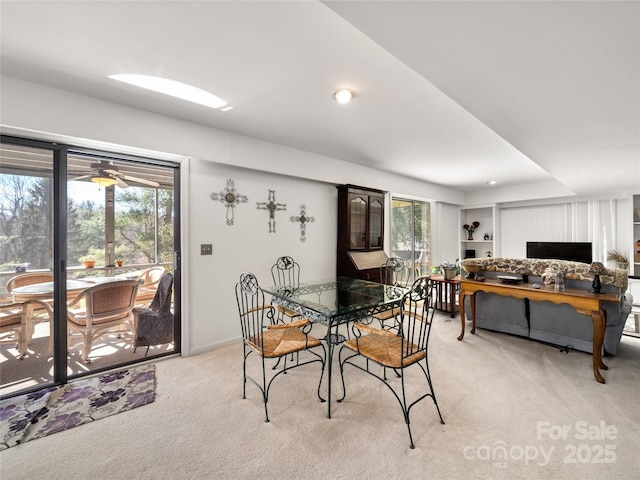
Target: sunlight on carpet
[{"x": 55, "y": 409}]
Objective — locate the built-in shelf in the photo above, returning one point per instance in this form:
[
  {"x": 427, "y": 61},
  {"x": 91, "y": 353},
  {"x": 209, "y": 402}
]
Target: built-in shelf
[{"x": 478, "y": 247}]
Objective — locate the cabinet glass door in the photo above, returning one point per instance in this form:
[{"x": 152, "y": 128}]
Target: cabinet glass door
[
  {"x": 375, "y": 224},
  {"x": 358, "y": 222}
]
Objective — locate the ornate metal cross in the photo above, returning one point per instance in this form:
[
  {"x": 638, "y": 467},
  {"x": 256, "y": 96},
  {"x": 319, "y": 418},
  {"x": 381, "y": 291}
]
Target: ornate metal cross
[
  {"x": 303, "y": 219},
  {"x": 272, "y": 206},
  {"x": 229, "y": 197}
]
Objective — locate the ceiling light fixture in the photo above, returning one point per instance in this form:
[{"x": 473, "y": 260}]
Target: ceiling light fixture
[
  {"x": 104, "y": 180},
  {"x": 491, "y": 182},
  {"x": 173, "y": 88},
  {"x": 344, "y": 95}
]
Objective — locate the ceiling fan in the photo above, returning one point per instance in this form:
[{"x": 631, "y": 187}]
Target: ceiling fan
[{"x": 106, "y": 174}]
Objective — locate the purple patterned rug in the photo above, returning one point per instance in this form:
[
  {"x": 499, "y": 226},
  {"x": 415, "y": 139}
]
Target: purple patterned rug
[{"x": 55, "y": 409}]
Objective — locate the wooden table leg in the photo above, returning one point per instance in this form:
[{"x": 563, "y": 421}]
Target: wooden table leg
[
  {"x": 472, "y": 300},
  {"x": 598, "y": 317},
  {"x": 452, "y": 299},
  {"x": 461, "y": 300},
  {"x": 603, "y": 310}
]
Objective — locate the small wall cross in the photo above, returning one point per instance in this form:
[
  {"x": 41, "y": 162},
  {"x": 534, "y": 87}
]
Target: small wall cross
[
  {"x": 272, "y": 207},
  {"x": 229, "y": 197},
  {"x": 303, "y": 219}
]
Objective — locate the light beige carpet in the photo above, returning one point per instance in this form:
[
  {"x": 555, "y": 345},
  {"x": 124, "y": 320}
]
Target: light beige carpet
[{"x": 514, "y": 409}]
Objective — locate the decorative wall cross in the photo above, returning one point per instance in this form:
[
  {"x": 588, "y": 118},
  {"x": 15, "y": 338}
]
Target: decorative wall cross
[
  {"x": 229, "y": 197},
  {"x": 303, "y": 219},
  {"x": 272, "y": 206}
]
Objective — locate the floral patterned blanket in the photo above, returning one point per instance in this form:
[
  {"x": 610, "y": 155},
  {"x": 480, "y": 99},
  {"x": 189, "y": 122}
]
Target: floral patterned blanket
[
  {"x": 536, "y": 267},
  {"x": 54, "y": 409}
]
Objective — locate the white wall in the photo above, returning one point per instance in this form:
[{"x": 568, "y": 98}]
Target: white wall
[
  {"x": 444, "y": 233},
  {"x": 247, "y": 245}
]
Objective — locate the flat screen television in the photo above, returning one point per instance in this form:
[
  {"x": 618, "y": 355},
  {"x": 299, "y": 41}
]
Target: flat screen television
[{"x": 574, "y": 251}]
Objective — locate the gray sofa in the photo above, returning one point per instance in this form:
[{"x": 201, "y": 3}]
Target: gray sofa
[{"x": 557, "y": 324}]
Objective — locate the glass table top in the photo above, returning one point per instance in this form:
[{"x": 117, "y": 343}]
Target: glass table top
[{"x": 338, "y": 296}]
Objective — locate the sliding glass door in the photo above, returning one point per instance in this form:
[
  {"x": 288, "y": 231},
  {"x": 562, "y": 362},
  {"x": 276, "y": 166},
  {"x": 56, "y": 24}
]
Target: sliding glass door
[
  {"x": 72, "y": 221},
  {"x": 27, "y": 206},
  {"x": 410, "y": 234}
]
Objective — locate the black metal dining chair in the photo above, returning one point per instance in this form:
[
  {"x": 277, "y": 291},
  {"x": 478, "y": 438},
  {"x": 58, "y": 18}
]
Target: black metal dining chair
[
  {"x": 398, "y": 350},
  {"x": 393, "y": 272},
  {"x": 285, "y": 273},
  {"x": 271, "y": 341}
]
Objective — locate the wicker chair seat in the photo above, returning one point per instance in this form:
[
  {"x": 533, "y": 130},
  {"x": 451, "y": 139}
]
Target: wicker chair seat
[
  {"x": 417, "y": 316},
  {"x": 282, "y": 341},
  {"x": 385, "y": 349},
  {"x": 287, "y": 311},
  {"x": 387, "y": 314}
]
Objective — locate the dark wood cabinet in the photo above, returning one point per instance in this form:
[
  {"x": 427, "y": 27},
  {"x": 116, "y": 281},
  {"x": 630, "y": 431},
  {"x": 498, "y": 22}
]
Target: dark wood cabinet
[{"x": 360, "y": 232}]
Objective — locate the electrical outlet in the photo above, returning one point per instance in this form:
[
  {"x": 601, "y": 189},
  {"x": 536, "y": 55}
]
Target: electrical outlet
[{"x": 206, "y": 249}]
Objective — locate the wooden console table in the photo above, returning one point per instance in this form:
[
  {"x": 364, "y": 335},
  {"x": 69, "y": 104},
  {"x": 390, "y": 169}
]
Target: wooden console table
[{"x": 583, "y": 301}]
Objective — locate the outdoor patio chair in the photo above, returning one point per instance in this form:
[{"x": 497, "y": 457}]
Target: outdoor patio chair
[
  {"x": 148, "y": 284},
  {"x": 39, "y": 312},
  {"x": 100, "y": 310},
  {"x": 13, "y": 325},
  {"x": 154, "y": 325}
]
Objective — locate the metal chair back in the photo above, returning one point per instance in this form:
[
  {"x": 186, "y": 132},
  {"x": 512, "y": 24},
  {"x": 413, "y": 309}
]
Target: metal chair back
[
  {"x": 252, "y": 309},
  {"x": 394, "y": 272},
  {"x": 416, "y": 317},
  {"x": 286, "y": 272}
]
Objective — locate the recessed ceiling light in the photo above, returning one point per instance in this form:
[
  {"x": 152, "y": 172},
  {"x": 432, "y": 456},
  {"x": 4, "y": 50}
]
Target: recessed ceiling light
[
  {"x": 344, "y": 95},
  {"x": 491, "y": 182},
  {"x": 226, "y": 109},
  {"x": 173, "y": 88}
]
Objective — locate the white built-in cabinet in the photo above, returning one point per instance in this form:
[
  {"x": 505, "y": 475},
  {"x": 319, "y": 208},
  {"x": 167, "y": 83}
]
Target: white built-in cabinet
[{"x": 485, "y": 237}]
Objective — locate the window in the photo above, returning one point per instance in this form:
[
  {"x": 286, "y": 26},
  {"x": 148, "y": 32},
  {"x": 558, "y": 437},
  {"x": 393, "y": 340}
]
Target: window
[{"x": 410, "y": 234}]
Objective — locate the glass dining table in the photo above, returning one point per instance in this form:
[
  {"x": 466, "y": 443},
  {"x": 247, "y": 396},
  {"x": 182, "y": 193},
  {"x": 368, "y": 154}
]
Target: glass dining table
[{"x": 334, "y": 302}]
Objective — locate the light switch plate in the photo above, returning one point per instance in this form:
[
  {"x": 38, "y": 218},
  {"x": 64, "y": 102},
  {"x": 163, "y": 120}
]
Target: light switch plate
[{"x": 206, "y": 249}]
